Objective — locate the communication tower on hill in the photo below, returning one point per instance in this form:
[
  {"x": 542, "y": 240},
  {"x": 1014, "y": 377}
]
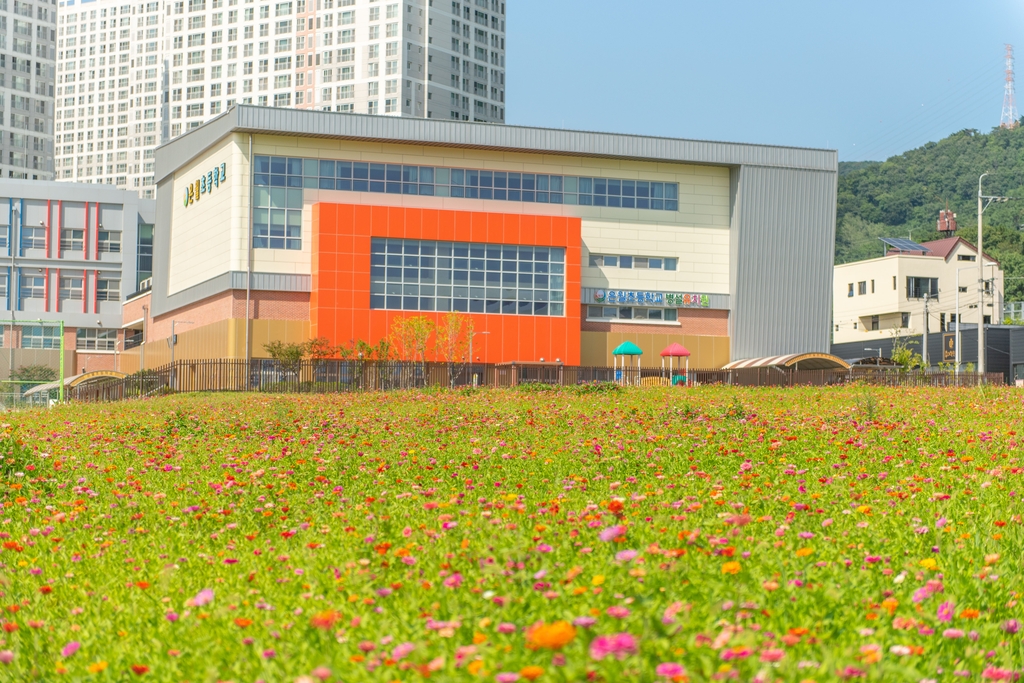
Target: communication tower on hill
[{"x": 1009, "y": 117}]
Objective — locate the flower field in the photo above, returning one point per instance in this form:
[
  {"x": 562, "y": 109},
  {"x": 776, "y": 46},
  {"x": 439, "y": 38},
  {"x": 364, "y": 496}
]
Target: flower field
[{"x": 648, "y": 535}]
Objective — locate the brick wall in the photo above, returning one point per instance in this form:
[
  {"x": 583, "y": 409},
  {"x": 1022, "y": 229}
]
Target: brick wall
[
  {"x": 704, "y": 321},
  {"x": 265, "y": 305}
]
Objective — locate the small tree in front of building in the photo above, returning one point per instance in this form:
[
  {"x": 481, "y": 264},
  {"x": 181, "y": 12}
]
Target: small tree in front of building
[
  {"x": 32, "y": 375},
  {"x": 902, "y": 355},
  {"x": 451, "y": 345},
  {"x": 289, "y": 355}
]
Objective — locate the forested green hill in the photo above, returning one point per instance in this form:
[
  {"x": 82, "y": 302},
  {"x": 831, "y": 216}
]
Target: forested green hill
[{"x": 902, "y": 197}]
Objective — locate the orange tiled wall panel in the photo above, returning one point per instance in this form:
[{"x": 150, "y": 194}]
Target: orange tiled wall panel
[{"x": 340, "y": 300}]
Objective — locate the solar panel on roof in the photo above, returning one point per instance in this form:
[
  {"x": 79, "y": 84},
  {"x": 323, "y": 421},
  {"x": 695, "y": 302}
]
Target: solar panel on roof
[{"x": 900, "y": 244}]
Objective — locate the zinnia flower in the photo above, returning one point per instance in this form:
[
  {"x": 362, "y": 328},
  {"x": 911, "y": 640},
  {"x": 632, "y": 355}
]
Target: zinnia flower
[
  {"x": 553, "y": 636},
  {"x": 612, "y": 532},
  {"x": 670, "y": 670},
  {"x": 203, "y": 597},
  {"x": 620, "y": 646},
  {"x": 945, "y": 612},
  {"x": 70, "y": 649},
  {"x": 731, "y": 568}
]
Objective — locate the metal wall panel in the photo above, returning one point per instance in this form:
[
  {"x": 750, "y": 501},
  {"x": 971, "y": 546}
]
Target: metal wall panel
[
  {"x": 437, "y": 132},
  {"x": 782, "y": 270}
]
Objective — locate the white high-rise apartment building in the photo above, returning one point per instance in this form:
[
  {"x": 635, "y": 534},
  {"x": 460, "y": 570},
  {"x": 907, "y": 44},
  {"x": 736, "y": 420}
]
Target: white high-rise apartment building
[
  {"x": 27, "y": 71},
  {"x": 132, "y": 76}
]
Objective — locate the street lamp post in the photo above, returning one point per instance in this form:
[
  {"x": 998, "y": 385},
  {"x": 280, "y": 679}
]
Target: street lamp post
[
  {"x": 471, "y": 359},
  {"x": 12, "y": 291},
  {"x": 174, "y": 342},
  {"x": 981, "y": 273}
]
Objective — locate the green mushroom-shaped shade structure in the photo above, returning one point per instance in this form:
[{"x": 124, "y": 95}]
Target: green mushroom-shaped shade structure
[{"x": 626, "y": 348}]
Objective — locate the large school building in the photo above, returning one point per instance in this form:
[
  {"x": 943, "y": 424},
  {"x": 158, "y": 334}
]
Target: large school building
[{"x": 277, "y": 224}]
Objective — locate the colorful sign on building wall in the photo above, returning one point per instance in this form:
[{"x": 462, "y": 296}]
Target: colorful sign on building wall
[{"x": 635, "y": 298}]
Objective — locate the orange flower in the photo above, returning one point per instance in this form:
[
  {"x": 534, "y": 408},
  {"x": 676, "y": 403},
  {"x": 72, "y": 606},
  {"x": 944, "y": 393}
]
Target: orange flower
[
  {"x": 890, "y": 605},
  {"x": 804, "y": 552},
  {"x": 615, "y": 507},
  {"x": 324, "y": 620},
  {"x": 731, "y": 568},
  {"x": 531, "y": 673},
  {"x": 139, "y": 669},
  {"x": 970, "y": 614},
  {"x": 242, "y": 622},
  {"x": 551, "y": 636}
]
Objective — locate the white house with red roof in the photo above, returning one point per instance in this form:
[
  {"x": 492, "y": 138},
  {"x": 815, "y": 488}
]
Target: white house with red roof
[{"x": 872, "y": 297}]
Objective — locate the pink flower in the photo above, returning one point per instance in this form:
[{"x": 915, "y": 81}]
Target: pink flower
[
  {"x": 620, "y": 646},
  {"x": 453, "y": 581},
  {"x": 617, "y": 611},
  {"x": 203, "y": 597},
  {"x": 507, "y": 677},
  {"x": 321, "y": 672},
  {"x": 171, "y": 617},
  {"x": 945, "y": 611},
  {"x": 612, "y": 532},
  {"x": 544, "y": 548},
  {"x": 670, "y": 670},
  {"x": 584, "y": 622},
  {"x": 70, "y": 649},
  {"x": 952, "y": 633},
  {"x": 625, "y": 555},
  {"x": 996, "y": 674},
  {"x": 402, "y": 651},
  {"x": 6, "y": 656},
  {"x": 772, "y": 655},
  {"x": 269, "y": 654},
  {"x": 367, "y": 646},
  {"x": 506, "y": 628}
]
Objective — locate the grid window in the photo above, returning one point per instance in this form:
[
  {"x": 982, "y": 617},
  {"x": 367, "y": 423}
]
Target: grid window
[
  {"x": 95, "y": 339},
  {"x": 469, "y": 183},
  {"x": 3, "y": 287},
  {"x": 33, "y": 287},
  {"x": 417, "y": 275},
  {"x": 277, "y": 218},
  {"x": 33, "y": 237},
  {"x": 109, "y": 241},
  {"x": 71, "y": 289},
  {"x": 72, "y": 239},
  {"x": 40, "y": 337},
  {"x": 108, "y": 289},
  {"x": 631, "y": 313},
  {"x": 651, "y": 262}
]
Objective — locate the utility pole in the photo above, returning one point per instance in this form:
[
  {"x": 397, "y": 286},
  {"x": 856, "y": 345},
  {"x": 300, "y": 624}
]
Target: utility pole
[
  {"x": 13, "y": 292},
  {"x": 924, "y": 351},
  {"x": 981, "y": 273}
]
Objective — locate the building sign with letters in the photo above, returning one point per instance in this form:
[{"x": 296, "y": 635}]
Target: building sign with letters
[
  {"x": 634, "y": 298},
  {"x": 205, "y": 184},
  {"x": 949, "y": 347}
]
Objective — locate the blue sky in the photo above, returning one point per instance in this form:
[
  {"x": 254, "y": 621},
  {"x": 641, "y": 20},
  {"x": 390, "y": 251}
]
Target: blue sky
[{"x": 869, "y": 78}]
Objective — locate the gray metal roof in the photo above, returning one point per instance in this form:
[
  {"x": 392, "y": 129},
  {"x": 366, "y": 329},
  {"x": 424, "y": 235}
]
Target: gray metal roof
[{"x": 448, "y": 133}]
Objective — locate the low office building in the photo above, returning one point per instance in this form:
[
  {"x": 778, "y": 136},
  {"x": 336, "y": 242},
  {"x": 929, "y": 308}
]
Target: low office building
[
  {"x": 557, "y": 244},
  {"x": 873, "y": 298},
  {"x": 70, "y": 253}
]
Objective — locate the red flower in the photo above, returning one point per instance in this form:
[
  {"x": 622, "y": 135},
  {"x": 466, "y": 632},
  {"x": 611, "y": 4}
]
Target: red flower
[
  {"x": 45, "y": 590},
  {"x": 139, "y": 669},
  {"x": 242, "y": 622}
]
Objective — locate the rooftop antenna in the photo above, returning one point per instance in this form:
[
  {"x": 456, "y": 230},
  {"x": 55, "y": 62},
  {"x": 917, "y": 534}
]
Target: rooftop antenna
[{"x": 1009, "y": 117}]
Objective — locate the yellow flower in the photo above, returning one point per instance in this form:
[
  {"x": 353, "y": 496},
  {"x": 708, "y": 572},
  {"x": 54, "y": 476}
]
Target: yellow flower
[
  {"x": 929, "y": 563},
  {"x": 597, "y": 580},
  {"x": 97, "y": 667},
  {"x": 864, "y": 509},
  {"x": 731, "y": 568}
]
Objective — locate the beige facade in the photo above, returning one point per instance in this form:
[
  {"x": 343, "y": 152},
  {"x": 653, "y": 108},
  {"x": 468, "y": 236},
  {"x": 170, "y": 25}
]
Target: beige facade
[
  {"x": 873, "y": 298},
  {"x": 209, "y": 236}
]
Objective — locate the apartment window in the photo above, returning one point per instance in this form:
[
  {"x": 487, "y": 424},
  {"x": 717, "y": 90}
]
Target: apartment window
[
  {"x": 874, "y": 323},
  {"x": 966, "y": 257},
  {"x": 631, "y": 313},
  {"x": 108, "y": 289},
  {"x": 40, "y": 337},
  {"x": 390, "y": 105},
  {"x": 849, "y": 292},
  {"x": 109, "y": 241},
  {"x": 71, "y": 239},
  {"x": 87, "y": 339},
  {"x": 894, "y": 283},
  {"x": 71, "y": 289},
  {"x": 919, "y": 287},
  {"x": 641, "y": 262},
  {"x": 872, "y": 286},
  {"x": 904, "y": 320},
  {"x": 476, "y": 278},
  {"x": 942, "y": 322},
  {"x": 862, "y": 288}
]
